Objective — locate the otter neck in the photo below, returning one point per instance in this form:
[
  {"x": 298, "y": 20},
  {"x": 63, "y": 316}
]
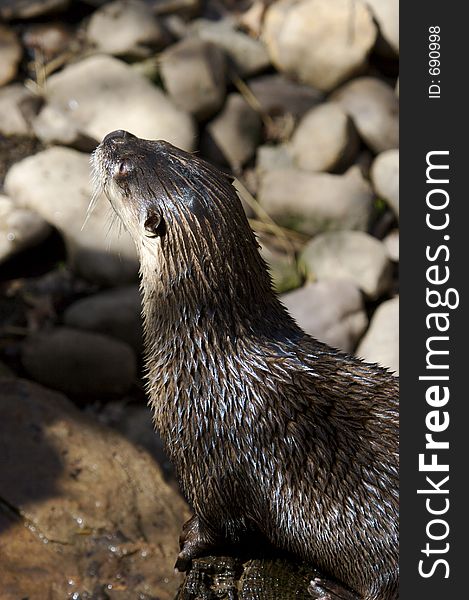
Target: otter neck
[
  {"x": 183, "y": 307},
  {"x": 193, "y": 289}
]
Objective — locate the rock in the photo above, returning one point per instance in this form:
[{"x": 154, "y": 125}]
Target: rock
[
  {"x": 10, "y": 54},
  {"x": 19, "y": 228},
  {"x": 281, "y": 102},
  {"x": 364, "y": 160},
  {"x": 49, "y": 39},
  {"x": 28, "y": 9},
  {"x": 352, "y": 255},
  {"x": 381, "y": 342},
  {"x": 386, "y": 13},
  {"x": 14, "y": 148},
  {"x": 52, "y": 126},
  {"x": 282, "y": 268},
  {"x": 183, "y": 8},
  {"x": 385, "y": 178},
  {"x": 321, "y": 42},
  {"x": 5, "y": 371},
  {"x": 331, "y": 311},
  {"x": 271, "y": 158},
  {"x": 278, "y": 95},
  {"x": 117, "y": 97},
  {"x": 79, "y": 363},
  {"x": 325, "y": 139},
  {"x": 93, "y": 512},
  {"x": 251, "y": 19},
  {"x": 193, "y": 73},
  {"x": 391, "y": 242},
  {"x": 125, "y": 28},
  {"x": 247, "y": 55},
  {"x": 233, "y": 135},
  {"x": 135, "y": 422},
  {"x": 214, "y": 577},
  {"x": 116, "y": 313},
  {"x": 56, "y": 184},
  {"x": 12, "y": 120},
  {"x": 314, "y": 202},
  {"x": 374, "y": 108}
]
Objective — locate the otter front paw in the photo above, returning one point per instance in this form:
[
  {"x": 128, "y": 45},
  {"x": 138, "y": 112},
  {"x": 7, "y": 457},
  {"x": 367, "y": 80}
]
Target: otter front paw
[{"x": 193, "y": 542}]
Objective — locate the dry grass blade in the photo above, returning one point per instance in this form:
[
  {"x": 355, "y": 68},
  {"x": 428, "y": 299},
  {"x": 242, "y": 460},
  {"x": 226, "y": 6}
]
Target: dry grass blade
[
  {"x": 294, "y": 236},
  {"x": 250, "y": 98},
  {"x": 279, "y": 232}
]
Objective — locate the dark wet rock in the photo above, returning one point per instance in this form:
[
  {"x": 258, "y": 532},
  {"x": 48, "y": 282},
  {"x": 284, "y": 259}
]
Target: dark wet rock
[
  {"x": 194, "y": 75},
  {"x": 381, "y": 342},
  {"x": 117, "y": 97},
  {"x": 79, "y": 363},
  {"x": 10, "y": 54},
  {"x": 374, "y": 108},
  {"x": 325, "y": 139},
  {"x": 213, "y": 578},
  {"x": 385, "y": 178},
  {"x": 332, "y": 311},
  {"x": 321, "y": 42},
  {"x": 20, "y": 228},
  {"x": 233, "y": 135},
  {"x": 248, "y": 56},
  {"x": 56, "y": 184},
  {"x": 125, "y": 28},
  {"x": 83, "y": 510},
  {"x": 352, "y": 255},
  {"x": 116, "y": 313},
  {"x": 314, "y": 202}
]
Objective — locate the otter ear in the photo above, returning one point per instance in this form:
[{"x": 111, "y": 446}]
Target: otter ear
[{"x": 154, "y": 224}]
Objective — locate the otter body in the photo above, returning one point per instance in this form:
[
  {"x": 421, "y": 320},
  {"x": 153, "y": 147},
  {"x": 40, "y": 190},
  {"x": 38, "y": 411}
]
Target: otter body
[{"x": 269, "y": 430}]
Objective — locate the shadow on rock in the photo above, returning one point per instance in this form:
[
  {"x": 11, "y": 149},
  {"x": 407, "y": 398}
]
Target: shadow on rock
[{"x": 82, "y": 511}]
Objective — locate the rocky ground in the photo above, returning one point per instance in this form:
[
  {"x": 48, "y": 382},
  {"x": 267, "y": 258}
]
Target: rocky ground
[{"x": 299, "y": 99}]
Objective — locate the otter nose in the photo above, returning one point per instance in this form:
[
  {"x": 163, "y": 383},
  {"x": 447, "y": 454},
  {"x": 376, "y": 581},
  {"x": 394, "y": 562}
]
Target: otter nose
[{"x": 118, "y": 137}]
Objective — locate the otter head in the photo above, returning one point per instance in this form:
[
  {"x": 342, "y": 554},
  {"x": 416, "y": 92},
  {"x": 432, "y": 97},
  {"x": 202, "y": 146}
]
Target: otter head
[{"x": 186, "y": 219}]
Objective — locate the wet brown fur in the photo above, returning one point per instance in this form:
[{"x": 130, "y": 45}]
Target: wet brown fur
[{"x": 268, "y": 429}]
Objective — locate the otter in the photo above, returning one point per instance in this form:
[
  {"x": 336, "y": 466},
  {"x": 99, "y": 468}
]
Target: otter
[{"x": 270, "y": 431}]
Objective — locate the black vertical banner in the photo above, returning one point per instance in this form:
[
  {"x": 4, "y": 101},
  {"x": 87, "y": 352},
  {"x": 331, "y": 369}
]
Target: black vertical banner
[{"x": 434, "y": 197}]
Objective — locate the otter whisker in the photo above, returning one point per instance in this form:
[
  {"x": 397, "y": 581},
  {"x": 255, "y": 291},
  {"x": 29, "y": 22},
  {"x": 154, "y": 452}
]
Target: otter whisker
[
  {"x": 97, "y": 186},
  {"x": 114, "y": 227}
]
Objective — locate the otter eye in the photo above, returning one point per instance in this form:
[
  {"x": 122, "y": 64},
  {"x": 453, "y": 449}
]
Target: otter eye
[
  {"x": 123, "y": 168},
  {"x": 154, "y": 224}
]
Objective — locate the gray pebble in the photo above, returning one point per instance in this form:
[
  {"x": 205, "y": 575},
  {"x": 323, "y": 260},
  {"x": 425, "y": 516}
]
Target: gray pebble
[
  {"x": 79, "y": 363},
  {"x": 331, "y": 311},
  {"x": 352, "y": 255},
  {"x": 381, "y": 342}
]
